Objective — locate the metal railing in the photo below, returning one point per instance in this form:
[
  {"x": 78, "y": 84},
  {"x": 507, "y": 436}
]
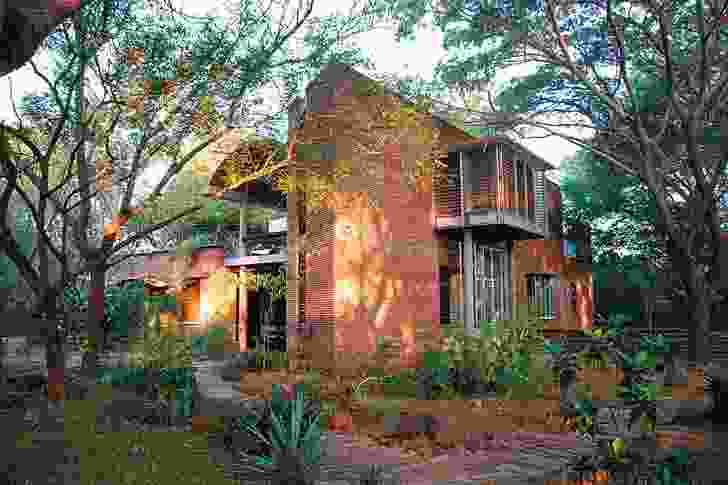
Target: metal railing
[{"x": 225, "y": 235}]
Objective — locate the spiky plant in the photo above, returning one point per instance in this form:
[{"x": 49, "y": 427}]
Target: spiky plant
[
  {"x": 373, "y": 476},
  {"x": 294, "y": 440},
  {"x": 262, "y": 422},
  {"x": 290, "y": 468}
]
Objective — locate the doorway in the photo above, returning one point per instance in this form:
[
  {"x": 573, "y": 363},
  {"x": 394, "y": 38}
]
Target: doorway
[{"x": 265, "y": 317}]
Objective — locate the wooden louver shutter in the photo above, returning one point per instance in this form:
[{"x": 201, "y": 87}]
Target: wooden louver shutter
[
  {"x": 506, "y": 185},
  {"x": 540, "y": 204},
  {"x": 448, "y": 193}
]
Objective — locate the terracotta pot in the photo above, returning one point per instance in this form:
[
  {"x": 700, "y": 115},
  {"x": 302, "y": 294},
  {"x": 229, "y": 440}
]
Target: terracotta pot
[
  {"x": 600, "y": 476},
  {"x": 675, "y": 439},
  {"x": 200, "y": 424},
  {"x": 55, "y": 392},
  {"x": 341, "y": 422}
]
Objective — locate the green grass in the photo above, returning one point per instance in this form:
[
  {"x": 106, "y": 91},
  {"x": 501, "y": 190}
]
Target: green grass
[{"x": 180, "y": 458}]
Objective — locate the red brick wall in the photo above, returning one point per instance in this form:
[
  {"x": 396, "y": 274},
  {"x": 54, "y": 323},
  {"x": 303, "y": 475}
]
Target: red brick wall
[
  {"x": 375, "y": 249},
  {"x": 537, "y": 256}
]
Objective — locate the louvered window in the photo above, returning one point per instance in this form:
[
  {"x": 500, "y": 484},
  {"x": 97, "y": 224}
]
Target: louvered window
[
  {"x": 448, "y": 193},
  {"x": 541, "y": 291},
  {"x": 530, "y": 196},
  {"x": 540, "y": 206}
]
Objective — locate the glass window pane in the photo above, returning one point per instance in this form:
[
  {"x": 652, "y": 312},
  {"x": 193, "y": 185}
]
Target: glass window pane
[{"x": 547, "y": 302}]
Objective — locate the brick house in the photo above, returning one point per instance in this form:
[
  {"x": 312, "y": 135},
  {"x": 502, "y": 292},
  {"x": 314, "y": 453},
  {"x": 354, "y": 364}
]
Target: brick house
[
  {"x": 388, "y": 260},
  {"x": 384, "y": 258}
]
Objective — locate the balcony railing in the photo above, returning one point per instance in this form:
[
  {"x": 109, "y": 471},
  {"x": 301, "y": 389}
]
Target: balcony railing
[{"x": 257, "y": 240}]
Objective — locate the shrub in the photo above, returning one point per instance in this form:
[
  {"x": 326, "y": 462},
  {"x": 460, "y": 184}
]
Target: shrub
[
  {"x": 289, "y": 434},
  {"x": 167, "y": 361},
  {"x": 506, "y": 352},
  {"x": 123, "y": 305},
  {"x": 402, "y": 384}
]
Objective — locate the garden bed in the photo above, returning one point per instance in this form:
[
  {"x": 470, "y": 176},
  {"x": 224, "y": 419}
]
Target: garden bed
[{"x": 417, "y": 429}]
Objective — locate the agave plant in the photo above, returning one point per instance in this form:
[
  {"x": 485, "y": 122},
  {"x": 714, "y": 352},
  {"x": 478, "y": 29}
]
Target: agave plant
[
  {"x": 290, "y": 467},
  {"x": 373, "y": 476},
  {"x": 290, "y": 433}
]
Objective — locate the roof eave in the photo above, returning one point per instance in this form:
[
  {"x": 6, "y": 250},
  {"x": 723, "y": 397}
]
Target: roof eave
[{"x": 536, "y": 161}]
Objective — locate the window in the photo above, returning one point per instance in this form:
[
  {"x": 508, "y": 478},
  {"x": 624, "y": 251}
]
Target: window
[
  {"x": 523, "y": 187},
  {"x": 492, "y": 288},
  {"x": 541, "y": 291}
]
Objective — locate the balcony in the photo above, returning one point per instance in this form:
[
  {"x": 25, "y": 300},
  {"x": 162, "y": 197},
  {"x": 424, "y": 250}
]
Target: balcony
[
  {"x": 497, "y": 184},
  {"x": 259, "y": 239}
]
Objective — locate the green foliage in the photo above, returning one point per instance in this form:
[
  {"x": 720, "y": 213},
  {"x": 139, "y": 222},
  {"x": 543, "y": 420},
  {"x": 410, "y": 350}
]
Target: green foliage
[
  {"x": 119, "y": 304},
  {"x": 618, "y": 211},
  {"x": 402, "y": 384},
  {"x": 160, "y": 351},
  {"x": 592, "y": 359},
  {"x": 199, "y": 344},
  {"x": 167, "y": 360},
  {"x": 271, "y": 360},
  {"x": 286, "y": 424},
  {"x": 507, "y": 352},
  {"x": 636, "y": 389},
  {"x": 24, "y": 238},
  {"x": 312, "y": 385},
  {"x": 179, "y": 458},
  {"x": 679, "y": 460},
  {"x": 154, "y": 350},
  {"x": 383, "y": 407},
  {"x": 277, "y": 284}
]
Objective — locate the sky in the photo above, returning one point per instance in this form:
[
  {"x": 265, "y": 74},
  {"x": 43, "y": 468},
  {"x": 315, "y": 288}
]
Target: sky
[{"x": 417, "y": 57}]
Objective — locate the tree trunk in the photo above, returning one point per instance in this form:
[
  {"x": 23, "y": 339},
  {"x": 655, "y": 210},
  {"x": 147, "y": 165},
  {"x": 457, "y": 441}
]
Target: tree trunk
[
  {"x": 95, "y": 319},
  {"x": 25, "y": 24},
  {"x": 55, "y": 355},
  {"x": 700, "y": 302}
]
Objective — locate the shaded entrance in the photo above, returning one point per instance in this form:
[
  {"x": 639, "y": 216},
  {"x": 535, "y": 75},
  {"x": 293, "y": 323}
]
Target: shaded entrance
[
  {"x": 266, "y": 323},
  {"x": 266, "y": 319}
]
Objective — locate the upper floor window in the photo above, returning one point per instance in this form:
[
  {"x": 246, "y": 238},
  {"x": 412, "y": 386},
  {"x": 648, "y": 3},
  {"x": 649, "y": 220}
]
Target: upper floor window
[
  {"x": 541, "y": 295},
  {"x": 523, "y": 188}
]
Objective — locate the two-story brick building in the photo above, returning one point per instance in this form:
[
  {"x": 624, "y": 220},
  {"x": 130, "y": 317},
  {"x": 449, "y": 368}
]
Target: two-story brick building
[
  {"x": 392, "y": 260},
  {"x": 387, "y": 255}
]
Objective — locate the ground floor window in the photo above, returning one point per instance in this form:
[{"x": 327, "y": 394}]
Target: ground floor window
[
  {"x": 492, "y": 283},
  {"x": 541, "y": 295}
]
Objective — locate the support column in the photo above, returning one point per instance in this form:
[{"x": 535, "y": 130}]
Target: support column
[
  {"x": 468, "y": 282},
  {"x": 242, "y": 252},
  {"x": 242, "y": 317}
]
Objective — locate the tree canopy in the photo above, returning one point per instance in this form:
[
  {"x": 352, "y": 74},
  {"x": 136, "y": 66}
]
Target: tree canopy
[{"x": 646, "y": 82}]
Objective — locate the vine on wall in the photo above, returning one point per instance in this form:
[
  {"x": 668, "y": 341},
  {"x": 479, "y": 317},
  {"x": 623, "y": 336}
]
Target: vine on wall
[{"x": 276, "y": 283}]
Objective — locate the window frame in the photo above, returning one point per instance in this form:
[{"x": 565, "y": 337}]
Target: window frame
[{"x": 545, "y": 300}]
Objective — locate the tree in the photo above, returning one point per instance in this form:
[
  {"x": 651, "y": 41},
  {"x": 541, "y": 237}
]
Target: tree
[
  {"x": 11, "y": 288},
  {"x": 177, "y": 103},
  {"x": 24, "y": 25},
  {"x": 30, "y": 182},
  {"x": 662, "y": 75},
  {"x": 620, "y": 214}
]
